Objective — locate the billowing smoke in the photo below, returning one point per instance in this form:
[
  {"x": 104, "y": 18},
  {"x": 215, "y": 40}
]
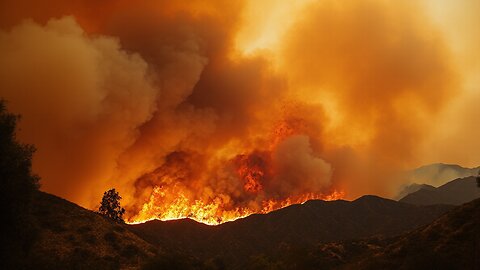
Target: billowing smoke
[
  {"x": 82, "y": 99},
  {"x": 383, "y": 73},
  {"x": 294, "y": 163},
  {"x": 160, "y": 100}
]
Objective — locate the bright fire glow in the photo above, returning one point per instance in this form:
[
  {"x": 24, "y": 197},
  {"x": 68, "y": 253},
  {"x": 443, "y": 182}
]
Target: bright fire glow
[
  {"x": 281, "y": 173},
  {"x": 212, "y": 213}
]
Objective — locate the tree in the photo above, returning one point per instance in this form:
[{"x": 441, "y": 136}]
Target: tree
[
  {"x": 110, "y": 206},
  {"x": 17, "y": 182},
  {"x": 17, "y": 189}
]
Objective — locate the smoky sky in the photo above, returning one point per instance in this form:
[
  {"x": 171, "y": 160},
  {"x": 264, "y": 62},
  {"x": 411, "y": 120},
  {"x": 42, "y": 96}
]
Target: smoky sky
[{"x": 158, "y": 94}]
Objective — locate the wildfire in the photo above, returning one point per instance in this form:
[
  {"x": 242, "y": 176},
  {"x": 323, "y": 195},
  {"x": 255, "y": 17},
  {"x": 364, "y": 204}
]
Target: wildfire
[
  {"x": 214, "y": 213},
  {"x": 213, "y": 191},
  {"x": 251, "y": 168}
]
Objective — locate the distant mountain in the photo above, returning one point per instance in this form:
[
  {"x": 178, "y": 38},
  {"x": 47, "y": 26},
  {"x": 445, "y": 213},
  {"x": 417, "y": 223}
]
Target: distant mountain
[
  {"x": 310, "y": 223},
  {"x": 411, "y": 189},
  {"x": 71, "y": 237},
  {"x": 455, "y": 192},
  {"x": 438, "y": 174}
]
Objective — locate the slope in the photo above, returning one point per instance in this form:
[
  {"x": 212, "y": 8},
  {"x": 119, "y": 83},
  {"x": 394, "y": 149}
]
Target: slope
[
  {"x": 450, "y": 242},
  {"x": 306, "y": 224},
  {"x": 71, "y": 237},
  {"x": 455, "y": 192}
]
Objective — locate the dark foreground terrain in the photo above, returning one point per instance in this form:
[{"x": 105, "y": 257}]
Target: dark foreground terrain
[
  {"x": 70, "y": 237},
  {"x": 296, "y": 226},
  {"x": 450, "y": 242},
  {"x": 368, "y": 233}
]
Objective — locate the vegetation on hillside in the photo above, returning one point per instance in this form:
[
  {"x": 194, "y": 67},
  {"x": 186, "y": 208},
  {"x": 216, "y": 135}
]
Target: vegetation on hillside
[
  {"x": 451, "y": 242},
  {"x": 110, "y": 206},
  {"x": 71, "y": 237}
]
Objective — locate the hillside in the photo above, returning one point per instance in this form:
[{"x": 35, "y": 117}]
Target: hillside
[
  {"x": 71, "y": 237},
  {"x": 409, "y": 189},
  {"x": 455, "y": 192},
  {"x": 450, "y": 242},
  {"x": 368, "y": 233},
  {"x": 299, "y": 225}
]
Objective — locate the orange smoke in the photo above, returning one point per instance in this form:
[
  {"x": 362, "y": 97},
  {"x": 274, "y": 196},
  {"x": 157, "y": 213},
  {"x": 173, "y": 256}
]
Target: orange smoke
[{"x": 204, "y": 109}]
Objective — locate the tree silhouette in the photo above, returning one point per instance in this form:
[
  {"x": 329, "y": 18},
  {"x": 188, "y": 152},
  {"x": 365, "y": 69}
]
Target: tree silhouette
[
  {"x": 17, "y": 180},
  {"x": 110, "y": 206},
  {"x": 18, "y": 185}
]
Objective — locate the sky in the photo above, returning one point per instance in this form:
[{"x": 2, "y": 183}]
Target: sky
[{"x": 219, "y": 109}]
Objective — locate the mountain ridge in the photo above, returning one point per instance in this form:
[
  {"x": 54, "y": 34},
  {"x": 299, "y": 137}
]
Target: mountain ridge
[
  {"x": 73, "y": 236},
  {"x": 455, "y": 192},
  {"x": 437, "y": 174},
  {"x": 313, "y": 222}
]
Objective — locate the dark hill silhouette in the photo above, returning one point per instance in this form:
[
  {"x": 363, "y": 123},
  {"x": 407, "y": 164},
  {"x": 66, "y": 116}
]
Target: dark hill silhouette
[
  {"x": 450, "y": 242},
  {"x": 455, "y": 192},
  {"x": 409, "y": 189},
  {"x": 306, "y": 224},
  {"x": 314, "y": 235},
  {"x": 71, "y": 237}
]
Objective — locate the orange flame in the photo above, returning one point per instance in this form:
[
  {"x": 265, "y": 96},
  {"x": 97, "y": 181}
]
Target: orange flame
[
  {"x": 182, "y": 189},
  {"x": 213, "y": 213}
]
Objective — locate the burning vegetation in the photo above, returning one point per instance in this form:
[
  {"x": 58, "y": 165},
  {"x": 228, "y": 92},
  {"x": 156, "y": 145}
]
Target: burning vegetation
[{"x": 184, "y": 187}]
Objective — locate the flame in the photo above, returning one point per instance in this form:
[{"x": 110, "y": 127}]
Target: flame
[
  {"x": 187, "y": 185},
  {"x": 213, "y": 213}
]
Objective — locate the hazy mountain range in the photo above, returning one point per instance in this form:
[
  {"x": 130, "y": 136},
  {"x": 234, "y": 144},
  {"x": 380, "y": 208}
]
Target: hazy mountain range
[
  {"x": 433, "y": 175},
  {"x": 439, "y": 173},
  {"x": 455, "y": 192}
]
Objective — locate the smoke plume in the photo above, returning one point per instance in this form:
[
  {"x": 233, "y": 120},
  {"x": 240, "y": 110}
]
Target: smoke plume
[{"x": 201, "y": 109}]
